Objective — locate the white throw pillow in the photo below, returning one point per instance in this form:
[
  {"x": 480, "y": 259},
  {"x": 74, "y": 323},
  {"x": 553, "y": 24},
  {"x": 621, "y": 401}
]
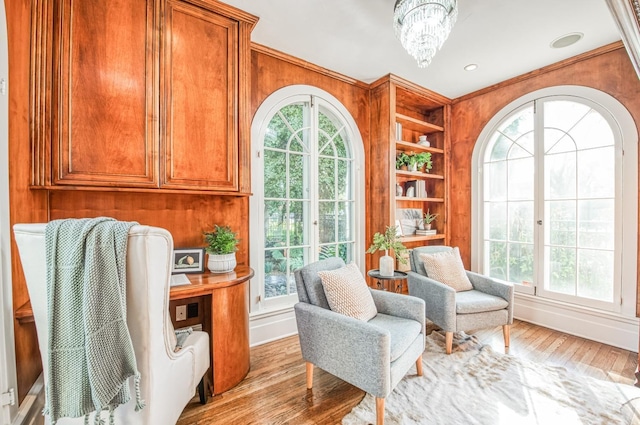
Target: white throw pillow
[
  {"x": 347, "y": 292},
  {"x": 447, "y": 267}
]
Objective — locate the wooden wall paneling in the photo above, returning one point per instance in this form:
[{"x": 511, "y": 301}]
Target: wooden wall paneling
[
  {"x": 200, "y": 94},
  {"x": 185, "y": 216},
  {"x": 104, "y": 125},
  {"x": 446, "y": 219},
  {"x": 25, "y": 206},
  {"x": 607, "y": 69},
  {"x": 380, "y": 178}
]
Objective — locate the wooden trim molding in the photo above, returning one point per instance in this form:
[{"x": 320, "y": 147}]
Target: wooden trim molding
[
  {"x": 307, "y": 65},
  {"x": 553, "y": 67},
  {"x": 626, "y": 13}
]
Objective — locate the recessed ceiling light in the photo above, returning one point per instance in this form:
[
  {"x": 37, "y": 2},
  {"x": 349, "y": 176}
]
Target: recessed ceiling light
[
  {"x": 471, "y": 67},
  {"x": 566, "y": 40}
]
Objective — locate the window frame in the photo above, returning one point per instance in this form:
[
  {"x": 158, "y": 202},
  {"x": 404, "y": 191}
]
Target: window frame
[
  {"x": 626, "y": 195},
  {"x": 276, "y": 101}
]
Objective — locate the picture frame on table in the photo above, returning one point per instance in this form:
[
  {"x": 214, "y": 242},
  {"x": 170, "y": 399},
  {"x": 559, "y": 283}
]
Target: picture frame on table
[{"x": 188, "y": 260}]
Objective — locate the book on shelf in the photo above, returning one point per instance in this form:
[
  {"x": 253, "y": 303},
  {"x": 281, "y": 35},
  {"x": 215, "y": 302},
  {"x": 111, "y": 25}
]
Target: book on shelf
[
  {"x": 398, "y": 131},
  {"x": 420, "y": 232},
  {"x": 419, "y": 189}
]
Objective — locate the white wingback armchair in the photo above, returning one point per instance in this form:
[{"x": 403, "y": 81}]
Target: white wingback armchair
[{"x": 168, "y": 378}]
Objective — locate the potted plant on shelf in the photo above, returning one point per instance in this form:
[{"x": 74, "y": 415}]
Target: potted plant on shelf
[
  {"x": 428, "y": 219},
  {"x": 402, "y": 161},
  {"x": 412, "y": 162},
  {"x": 424, "y": 159},
  {"x": 221, "y": 246},
  {"x": 385, "y": 242}
]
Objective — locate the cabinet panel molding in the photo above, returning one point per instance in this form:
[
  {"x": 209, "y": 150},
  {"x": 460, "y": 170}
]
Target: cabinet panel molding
[
  {"x": 200, "y": 93},
  {"x": 104, "y": 102},
  {"x": 140, "y": 95}
]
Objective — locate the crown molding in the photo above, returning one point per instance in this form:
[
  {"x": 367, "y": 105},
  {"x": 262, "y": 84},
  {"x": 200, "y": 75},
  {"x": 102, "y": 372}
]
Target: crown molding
[{"x": 626, "y": 13}]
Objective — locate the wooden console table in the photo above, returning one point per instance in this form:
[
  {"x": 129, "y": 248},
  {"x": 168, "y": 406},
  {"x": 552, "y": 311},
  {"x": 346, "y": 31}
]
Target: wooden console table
[{"x": 226, "y": 319}]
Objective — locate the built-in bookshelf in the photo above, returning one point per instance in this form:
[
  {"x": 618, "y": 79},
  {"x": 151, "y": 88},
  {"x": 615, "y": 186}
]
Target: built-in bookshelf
[{"x": 405, "y": 112}]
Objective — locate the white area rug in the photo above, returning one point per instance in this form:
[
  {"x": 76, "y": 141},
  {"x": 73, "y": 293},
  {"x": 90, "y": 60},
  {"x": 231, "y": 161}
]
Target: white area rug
[{"x": 477, "y": 385}]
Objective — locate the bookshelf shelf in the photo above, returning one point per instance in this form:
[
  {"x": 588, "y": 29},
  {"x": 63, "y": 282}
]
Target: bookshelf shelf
[
  {"x": 414, "y": 199},
  {"x": 409, "y": 239}
]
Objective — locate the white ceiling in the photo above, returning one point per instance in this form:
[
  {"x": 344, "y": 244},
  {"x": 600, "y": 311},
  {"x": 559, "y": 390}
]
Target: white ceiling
[{"x": 506, "y": 38}]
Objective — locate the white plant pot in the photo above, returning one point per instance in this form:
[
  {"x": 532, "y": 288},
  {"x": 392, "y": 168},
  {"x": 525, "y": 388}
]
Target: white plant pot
[{"x": 224, "y": 263}]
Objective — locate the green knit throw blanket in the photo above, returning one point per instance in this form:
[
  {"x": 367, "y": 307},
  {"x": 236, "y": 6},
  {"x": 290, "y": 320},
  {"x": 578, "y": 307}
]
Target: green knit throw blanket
[{"x": 90, "y": 352}]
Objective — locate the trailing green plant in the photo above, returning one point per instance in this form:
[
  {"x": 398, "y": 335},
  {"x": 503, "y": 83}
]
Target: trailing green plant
[
  {"x": 222, "y": 240},
  {"x": 401, "y": 160},
  {"x": 388, "y": 240},
  {"x": 429, "y": 218}
]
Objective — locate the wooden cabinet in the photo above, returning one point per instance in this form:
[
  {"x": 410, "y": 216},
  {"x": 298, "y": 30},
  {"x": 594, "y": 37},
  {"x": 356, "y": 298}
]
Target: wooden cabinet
[
  {"x": 135, "y": 94},
  {"x": 419, "y": 112}
]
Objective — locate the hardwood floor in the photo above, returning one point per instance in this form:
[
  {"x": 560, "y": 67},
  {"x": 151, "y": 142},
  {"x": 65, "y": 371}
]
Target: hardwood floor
[{"x": 274, "y": 391}]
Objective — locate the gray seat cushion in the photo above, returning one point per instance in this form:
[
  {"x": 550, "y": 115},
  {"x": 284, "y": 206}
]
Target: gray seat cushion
[
  {"x": 469, "y": 302},
  {"x": 403, "y": 332}
]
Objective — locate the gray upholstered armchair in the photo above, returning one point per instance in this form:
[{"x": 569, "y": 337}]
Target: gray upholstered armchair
[
  {"x": 373, "y": 356},
  {"x": 488, "y": 304}
]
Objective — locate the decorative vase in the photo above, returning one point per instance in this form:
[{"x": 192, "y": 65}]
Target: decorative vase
[
  {"x": 413, "y": 167},
  {"x": 398, "y": 190},
  {"x": 422, "y": 141},
  {"x": 223, "y": 263},
  {"x": 427, "y": 226},
  {"x": 411, "y": 192},
  {"x": 386, "y": 264}
]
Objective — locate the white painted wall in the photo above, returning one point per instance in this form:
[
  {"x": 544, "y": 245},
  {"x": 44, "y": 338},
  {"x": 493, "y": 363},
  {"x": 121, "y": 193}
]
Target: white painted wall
[{"x": 7, "y": 348}]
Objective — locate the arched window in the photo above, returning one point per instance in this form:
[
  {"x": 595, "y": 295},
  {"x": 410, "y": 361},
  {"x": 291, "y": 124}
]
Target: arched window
[
  {"x": 550, "y": 210},
  {"x": 308, "y": 187}
]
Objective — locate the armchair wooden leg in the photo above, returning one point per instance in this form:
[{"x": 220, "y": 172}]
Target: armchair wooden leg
[
  {"x": 379, "y": 411},
  {"x": 506, "y": 331},
  {"x": 201, "y": 392},
  {"x": 448, "y": 341},
  {"x": 309, "y": 375},
  {"x": 419, "y": 365}
]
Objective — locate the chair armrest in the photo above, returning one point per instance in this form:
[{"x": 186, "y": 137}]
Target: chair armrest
[
  {"x": 354, "y": 351},
  {"x": 399, "y": 305},
  {"x": 496, "y": 287},
  {"x": 491, "y": 286},
  {"x": 440, "y": 300}
]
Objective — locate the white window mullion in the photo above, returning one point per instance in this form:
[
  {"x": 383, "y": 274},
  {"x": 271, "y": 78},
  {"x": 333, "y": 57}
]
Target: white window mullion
[
  {"x": 314, "y": 184},
  {"x": 541, "y": 226}
]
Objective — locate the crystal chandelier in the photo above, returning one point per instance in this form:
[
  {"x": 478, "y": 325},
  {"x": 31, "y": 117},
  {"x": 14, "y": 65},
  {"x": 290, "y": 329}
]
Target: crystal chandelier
[{"x": 423, "y": 26}]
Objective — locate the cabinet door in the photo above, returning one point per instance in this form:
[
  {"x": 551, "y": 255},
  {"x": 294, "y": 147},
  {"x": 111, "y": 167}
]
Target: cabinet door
[
  {"x": 200, "y": 99},
  {"x": 104, "y": 118}
]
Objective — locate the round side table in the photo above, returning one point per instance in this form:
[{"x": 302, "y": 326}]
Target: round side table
[{"x": 388, "y": 283}]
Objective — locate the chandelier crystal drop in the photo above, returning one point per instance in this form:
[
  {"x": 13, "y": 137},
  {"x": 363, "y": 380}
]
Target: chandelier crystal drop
[{"x": 423, "y": 26}]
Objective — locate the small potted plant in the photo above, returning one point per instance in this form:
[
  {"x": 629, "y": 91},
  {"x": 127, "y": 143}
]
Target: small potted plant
[
  {"x": 385, "y": 242},
  {"x": 221, "y": 246},
  {"x": 428, "y": 219},
  {"x": 402, "y": 161},
  {"x": 412, "y": 162},
  {"x": 424, "y": 159}
]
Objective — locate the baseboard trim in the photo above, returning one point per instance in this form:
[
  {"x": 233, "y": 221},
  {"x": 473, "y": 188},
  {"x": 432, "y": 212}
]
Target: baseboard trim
[
  {"x": 605, "y": 327},
  {"x": 30, "y": 410},
  {"x": 272, "y": 326}
]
